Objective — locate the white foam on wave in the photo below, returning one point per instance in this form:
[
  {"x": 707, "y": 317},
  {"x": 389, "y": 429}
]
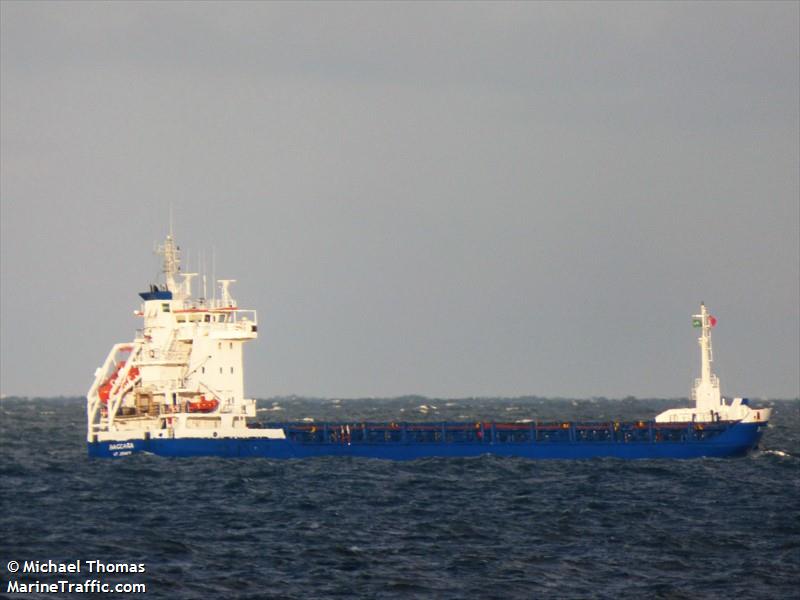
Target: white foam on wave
[{"x": 776, "y": 453}]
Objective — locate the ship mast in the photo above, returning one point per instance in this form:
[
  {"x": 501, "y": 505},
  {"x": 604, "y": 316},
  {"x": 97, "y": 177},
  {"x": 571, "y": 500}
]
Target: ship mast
[
  {"x": 172, "y": 261},
  {"x": 706, "y": 392}
]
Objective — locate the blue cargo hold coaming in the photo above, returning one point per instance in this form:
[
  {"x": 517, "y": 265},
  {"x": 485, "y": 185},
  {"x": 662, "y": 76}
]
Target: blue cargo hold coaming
[{"x": 409, "y": 441}]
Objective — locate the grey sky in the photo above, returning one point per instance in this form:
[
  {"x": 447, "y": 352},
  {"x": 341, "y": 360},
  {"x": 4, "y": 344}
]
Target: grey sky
[{"x": 446, "y": 199}]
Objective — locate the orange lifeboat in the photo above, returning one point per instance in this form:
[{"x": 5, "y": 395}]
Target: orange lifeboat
[
  {"x": 105, "y": 388},
  {"x": 104, "y": 391},
  {"x": 203, "y": 405}
]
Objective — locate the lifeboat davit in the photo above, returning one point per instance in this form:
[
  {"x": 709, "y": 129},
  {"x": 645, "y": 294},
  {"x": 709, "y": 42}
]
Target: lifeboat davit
[{"x": 203, "y": 405}]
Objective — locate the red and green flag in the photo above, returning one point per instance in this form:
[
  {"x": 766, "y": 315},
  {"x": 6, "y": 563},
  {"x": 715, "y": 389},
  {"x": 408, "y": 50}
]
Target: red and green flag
[{"x": 698, "y": 322}]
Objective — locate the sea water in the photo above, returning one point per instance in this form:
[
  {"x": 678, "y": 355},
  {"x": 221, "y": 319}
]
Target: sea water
[{"x": 483, "y": 527}]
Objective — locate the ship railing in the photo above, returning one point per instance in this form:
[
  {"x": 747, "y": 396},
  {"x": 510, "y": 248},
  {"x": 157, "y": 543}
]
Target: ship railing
[
  {"x": 244, "y": 325},
  {"x": 160, "y": 385},
  {"x": 239, "y": 328},
  {"x": 714, "y": 384},
  {"x": 215, "y": 316},
  {"x": 246, "y": 315},
  {"x": 226, "y": 405},
  {"x": 173, "y": 351},
  {"x": 499, "y": 432},
  {"x": 247, "y": 328},
  {"x": 212, "y": 304},
  {"x": 177, "y": 351},
  {"x": 158, "y": 355}
]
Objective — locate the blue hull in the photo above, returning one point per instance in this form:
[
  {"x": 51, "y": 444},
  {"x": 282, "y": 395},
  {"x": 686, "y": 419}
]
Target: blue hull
[{"x": 734, "y": 440}]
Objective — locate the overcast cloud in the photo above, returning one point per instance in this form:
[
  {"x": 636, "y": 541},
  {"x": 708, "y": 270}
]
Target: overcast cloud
[{"x": 451, "y": 199}]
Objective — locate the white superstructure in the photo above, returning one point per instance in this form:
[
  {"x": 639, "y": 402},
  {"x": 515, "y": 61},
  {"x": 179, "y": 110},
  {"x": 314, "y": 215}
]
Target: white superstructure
[
  {"x": 709, "y": 403},
  {"x": 182, "y": 375}
]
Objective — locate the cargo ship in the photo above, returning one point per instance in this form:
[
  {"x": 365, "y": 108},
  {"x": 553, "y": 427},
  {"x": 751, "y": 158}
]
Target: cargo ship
[{"x": 178, "y": 390}]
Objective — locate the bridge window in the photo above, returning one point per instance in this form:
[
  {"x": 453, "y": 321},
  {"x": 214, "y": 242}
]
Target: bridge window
[{"x": 165, "y": 307}]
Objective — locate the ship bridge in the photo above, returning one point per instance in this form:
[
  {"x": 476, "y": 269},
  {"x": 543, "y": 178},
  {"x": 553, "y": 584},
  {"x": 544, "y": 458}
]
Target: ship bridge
[{"x": 222, "y": 323}]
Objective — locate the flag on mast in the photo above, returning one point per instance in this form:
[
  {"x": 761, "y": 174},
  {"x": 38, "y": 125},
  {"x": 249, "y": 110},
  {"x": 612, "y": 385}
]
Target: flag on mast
[{"x": 698, "y": 321}]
